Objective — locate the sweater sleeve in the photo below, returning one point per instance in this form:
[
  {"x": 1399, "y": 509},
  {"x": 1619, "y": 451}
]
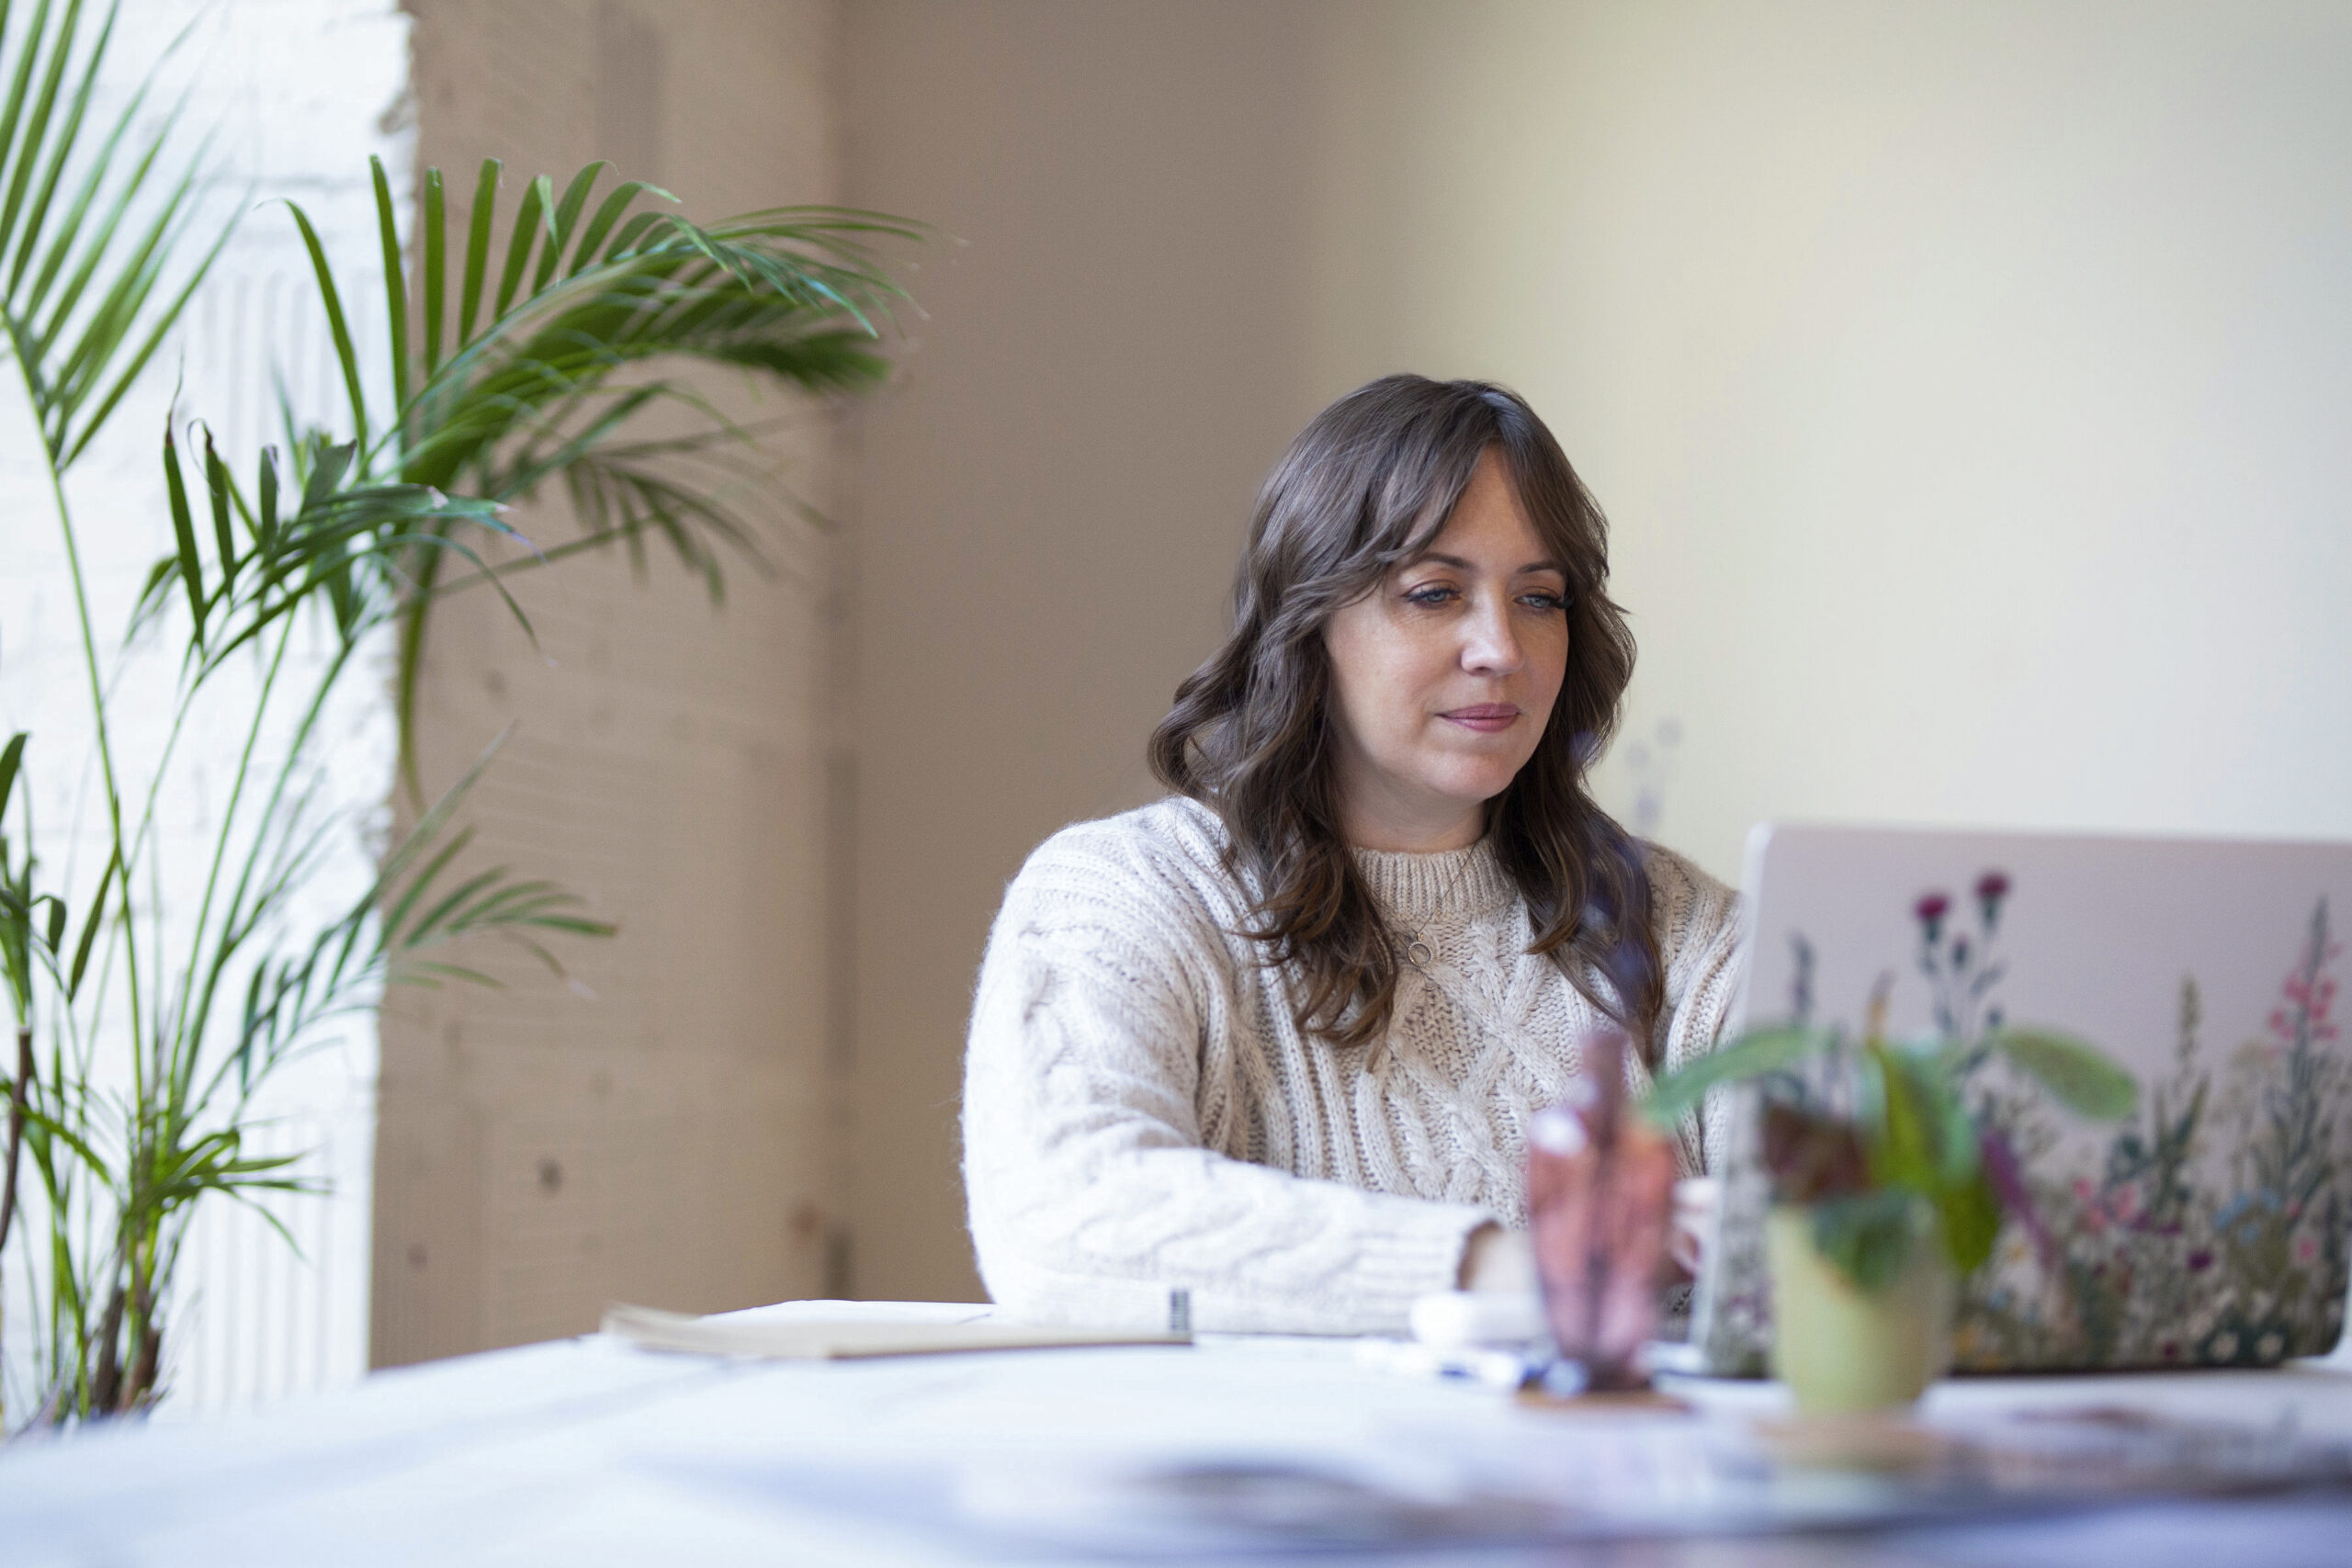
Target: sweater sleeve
[
  {"x": 1092, "y": 1196},
  {"x": 1699, "y": 934}
]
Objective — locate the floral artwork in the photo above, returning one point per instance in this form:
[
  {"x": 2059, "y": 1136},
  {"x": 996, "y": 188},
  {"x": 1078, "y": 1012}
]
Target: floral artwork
[
  {"x": 2208, "y": 1227},
  {"x": 2210, "y": 1230}
]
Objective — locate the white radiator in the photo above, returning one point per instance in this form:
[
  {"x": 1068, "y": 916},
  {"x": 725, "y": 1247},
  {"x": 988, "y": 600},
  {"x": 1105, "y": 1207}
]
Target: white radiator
[{"x": 253, "y": 1320}]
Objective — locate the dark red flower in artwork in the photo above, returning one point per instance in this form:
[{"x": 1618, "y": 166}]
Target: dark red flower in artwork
[
  {"x": 1931, "y": 910},
  {"x": 1992, "y": 886}
]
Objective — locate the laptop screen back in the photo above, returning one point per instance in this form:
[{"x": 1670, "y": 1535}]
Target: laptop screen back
[{"x": 2210, "y": 1227}]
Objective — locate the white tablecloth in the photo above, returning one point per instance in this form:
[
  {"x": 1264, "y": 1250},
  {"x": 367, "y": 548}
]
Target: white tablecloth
[{"x": 587, "y": 1452}]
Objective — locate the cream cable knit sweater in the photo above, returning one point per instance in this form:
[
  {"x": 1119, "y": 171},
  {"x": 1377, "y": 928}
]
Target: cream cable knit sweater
[{"x": 1141, "y": 1113}]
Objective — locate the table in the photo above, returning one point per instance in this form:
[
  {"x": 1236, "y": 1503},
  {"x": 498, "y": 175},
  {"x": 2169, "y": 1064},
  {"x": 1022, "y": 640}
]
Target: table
[{"x": 585, "y": 1452}]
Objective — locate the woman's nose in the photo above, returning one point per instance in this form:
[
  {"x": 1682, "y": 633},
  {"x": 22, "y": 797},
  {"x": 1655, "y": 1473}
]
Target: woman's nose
[{"x": 1491, "y": 647}]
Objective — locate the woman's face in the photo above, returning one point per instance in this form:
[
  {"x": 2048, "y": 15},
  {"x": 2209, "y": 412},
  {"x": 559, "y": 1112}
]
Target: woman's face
[{"x": 1443, "y": 677}]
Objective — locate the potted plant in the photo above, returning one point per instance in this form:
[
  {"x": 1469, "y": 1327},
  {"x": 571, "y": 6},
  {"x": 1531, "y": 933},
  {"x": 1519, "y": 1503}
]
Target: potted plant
[
  {"x": 156, "y": 987},
  {"x": 1888, "y": 1187}
]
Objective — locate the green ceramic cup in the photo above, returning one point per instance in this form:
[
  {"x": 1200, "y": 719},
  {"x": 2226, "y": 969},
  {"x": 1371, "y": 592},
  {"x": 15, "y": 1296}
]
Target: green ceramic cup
[{"x": 1843, "y": 1350}]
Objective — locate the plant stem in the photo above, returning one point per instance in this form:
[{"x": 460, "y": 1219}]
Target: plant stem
[
  {"x": 16, "y": 1090},
  {"x": 195, "y": 1013},
  {"x": 97, "y": 693}
]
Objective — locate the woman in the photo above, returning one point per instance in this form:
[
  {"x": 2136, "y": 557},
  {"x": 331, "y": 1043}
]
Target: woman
[{"x": 1274, "y": 1039}]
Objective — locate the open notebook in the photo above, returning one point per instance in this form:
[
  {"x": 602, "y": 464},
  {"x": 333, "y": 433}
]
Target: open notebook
[{"x": 796, "y": 1338}]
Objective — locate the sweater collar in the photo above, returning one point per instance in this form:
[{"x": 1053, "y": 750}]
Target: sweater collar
[{"x": 1463, "y": 885}]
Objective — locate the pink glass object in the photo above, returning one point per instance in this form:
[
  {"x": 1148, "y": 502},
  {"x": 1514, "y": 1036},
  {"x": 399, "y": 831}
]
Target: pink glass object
[{"x": 1600, "y": 1203}]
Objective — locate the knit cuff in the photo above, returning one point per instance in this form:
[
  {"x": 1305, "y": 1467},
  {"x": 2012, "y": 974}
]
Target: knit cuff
[
  {"x": 1408, "y": 1248},
  {"x": 1419, "y": 1251}
]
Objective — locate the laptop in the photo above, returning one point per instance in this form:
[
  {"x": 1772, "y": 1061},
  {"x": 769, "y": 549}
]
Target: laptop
[{"x": 2211, "y": 1227}]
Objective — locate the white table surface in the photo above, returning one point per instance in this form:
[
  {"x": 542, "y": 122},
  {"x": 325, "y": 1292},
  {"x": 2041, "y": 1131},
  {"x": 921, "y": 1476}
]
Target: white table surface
[{"x": 585, "y": 1452}]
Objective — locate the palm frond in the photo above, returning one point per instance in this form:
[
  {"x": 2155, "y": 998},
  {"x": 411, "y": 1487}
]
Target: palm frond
[
  {"x": 528, "y": 390},
  {"x": 346, "y": 548},
  {"x": 388, "y": 935},
  {"x": 86, "y": 300}
]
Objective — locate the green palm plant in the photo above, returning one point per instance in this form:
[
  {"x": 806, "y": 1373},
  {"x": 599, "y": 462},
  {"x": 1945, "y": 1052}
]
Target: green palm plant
[
  {"x": 524, "y": 386},
  {"x": 143, "y": 1041}
]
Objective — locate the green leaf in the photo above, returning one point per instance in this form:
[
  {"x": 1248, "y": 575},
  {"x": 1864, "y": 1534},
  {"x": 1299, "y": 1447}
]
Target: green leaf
[
  {"x": 2078, "y": 1076},
  {"x": 1970, "y": 1212},
  {"x": 37, "y": 126},
  {"x": 341, "y": 329},
  {"x": 1867, "y": 1237},
  {"x": 95, "y": 240},
  {"x": 216, "y": 485},
  {"x": 12, "y": 757},
  {"x": 478, "y": 247},
  {"x": 607, "y": 216},
  {"x": 67, "y": 136},
  {"x": 433, "y": 222},
  {"x": 184, "y": 528},
  {"x": 266, "y": 536},
  {"x": 1752, "y": 1055},
  {"x": 159, "y": 326},
  {"x": 1905, "y": 1154},
  {"x": 567, "y": 213},
  {"x": 52, "y": 1127},
  {"x": 529, "y": 221},
  {"x": 395, "y": 284},
  {"x": 453, "y": 904},
  {"x": 107, "y": 325},
  {"x": 327, "y": 467},
  {"x": 93, "y": 180},
  {"x": 28, "y": 58},
  {"x": 90, "y": 925},
  {"x": 626, "y": 242},
  {"x": 397, "y": 914},
  {"x": 1960, "y": 1155}
]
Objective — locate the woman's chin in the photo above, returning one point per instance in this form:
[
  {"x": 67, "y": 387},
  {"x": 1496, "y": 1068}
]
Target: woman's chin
[{"x": 1471, "y": 787}]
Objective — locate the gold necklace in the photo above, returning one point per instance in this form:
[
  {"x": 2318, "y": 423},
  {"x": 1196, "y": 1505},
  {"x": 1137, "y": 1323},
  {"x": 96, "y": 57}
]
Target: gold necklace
[{"x": 1419, "y": 951}]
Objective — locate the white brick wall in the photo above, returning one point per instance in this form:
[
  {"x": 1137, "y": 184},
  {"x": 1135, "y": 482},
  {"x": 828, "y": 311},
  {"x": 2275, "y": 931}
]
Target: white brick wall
[{"x": 299, "y": 94}]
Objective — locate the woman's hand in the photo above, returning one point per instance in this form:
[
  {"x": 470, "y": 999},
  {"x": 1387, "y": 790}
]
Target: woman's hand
[
  {"x": 1696, "y": 1198},
  {"x": 1498, "y": 1261}
]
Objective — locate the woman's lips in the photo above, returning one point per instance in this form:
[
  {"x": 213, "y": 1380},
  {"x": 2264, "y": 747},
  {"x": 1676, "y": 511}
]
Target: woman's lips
[{"x": 1485, "y": 717}]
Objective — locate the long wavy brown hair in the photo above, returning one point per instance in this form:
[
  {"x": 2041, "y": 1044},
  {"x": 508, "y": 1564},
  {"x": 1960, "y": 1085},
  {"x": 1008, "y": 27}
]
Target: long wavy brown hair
[{"x": 1365, "y": 489}]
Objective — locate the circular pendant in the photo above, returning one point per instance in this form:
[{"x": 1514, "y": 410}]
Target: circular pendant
[{"x": 1419, "y": 952}]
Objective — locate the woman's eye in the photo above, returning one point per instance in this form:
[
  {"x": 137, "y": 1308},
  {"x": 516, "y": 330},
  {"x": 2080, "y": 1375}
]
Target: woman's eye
[
  {"x": 1430, "y": 593},
  {"x": 1544, "y": 600}
]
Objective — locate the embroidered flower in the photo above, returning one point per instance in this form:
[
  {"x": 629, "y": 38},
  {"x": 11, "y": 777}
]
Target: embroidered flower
[{"x": 2123, "y": 1204}]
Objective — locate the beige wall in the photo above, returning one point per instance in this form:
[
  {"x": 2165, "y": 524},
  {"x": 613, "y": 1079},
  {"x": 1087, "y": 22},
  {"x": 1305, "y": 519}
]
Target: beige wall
[
  {"x": 1051, "y": 499},
  {"x": 667, "y": 1133},
  {"x": 1965, "y": 382}
]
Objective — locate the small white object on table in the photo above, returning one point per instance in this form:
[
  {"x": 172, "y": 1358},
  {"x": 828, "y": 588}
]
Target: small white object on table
[{"x": 587, "y": 1451}]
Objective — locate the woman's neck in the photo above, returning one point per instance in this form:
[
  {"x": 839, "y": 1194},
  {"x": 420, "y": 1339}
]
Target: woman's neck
[{"x": 1411, "y": 833}]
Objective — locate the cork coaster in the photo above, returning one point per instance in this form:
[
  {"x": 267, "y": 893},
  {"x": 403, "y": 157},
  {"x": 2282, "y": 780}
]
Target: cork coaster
[{"x": 1607, "y": 1401}]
